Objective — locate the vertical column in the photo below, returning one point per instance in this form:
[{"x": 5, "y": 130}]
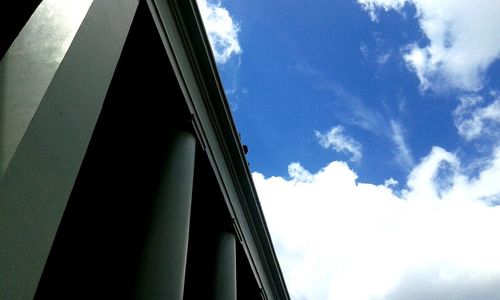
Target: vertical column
[
  {"x": 163, "y": 262},
  {"x": 30, "y": 64},
  {"x": 53, "y": 82},
  {"x": 225, "y": 268}
]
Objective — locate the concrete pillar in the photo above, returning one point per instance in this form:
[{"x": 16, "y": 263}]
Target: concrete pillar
[
  {"x": 225, "y": 268},
  {"x": 28, "y": 67},
  {"x": 163, "y": 262},
  {"x": 53, "y": 81}
]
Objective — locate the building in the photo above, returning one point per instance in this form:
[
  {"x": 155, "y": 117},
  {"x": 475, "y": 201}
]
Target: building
[{"x": 121, "y": 171}]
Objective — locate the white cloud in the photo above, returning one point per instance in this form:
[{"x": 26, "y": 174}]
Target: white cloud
[
  {"x": 338, "y": 141},
  {"x": 337, "y": 238},
  {"x": 403, "y": 154},
  {"x": 474, "y": 120},
  {"x": 463, "y": 35},
  {"x": 298, "y": 173},
  {"x": 222, "y": 30},
  {"x": 373, "y": 5},
  {"x": 391, "y": 182}
]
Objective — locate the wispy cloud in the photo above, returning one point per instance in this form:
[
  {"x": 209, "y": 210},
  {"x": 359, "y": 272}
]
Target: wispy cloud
[
  {"x": 365, "y": 52},
  {"x": 355, "y": 111},
  {"x": 473, "y": 119},
  {"x": 222, "y": 30},
  {"x": 403, "y": 154},
  {"x": 452, "y": 58},
  {"x": 337, "y": 140},
  {"x": 380, "y": 51},
  {"x": 383, "y": 58},
  {"x": 337, "y": 238},
  {"x": 306, "y": 69},
  {"x": 352, "y": 111}
]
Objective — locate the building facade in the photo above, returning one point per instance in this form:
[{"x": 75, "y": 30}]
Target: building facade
[{"x": 122, "y": 175}]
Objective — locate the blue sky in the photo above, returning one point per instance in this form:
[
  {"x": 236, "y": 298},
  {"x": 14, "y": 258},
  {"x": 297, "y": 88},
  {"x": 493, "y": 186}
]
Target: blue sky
[{"x": 373, "y": 130}]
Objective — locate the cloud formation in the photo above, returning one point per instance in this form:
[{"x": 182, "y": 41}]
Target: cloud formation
[
  {"x": 337, "y": 238},
  {"x": 403, "y": 153},
  {"x": 474, "y": 119},
  {"x": 222, "y": 30},
  {"x": 337, "y": 140},
  {"x": 463, "y": 40},
  {"x": 353, "y": 111}
]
